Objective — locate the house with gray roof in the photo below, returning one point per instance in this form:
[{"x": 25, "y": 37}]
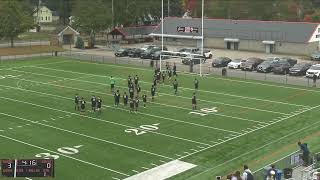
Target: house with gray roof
[{"x": 300, "y": 38}]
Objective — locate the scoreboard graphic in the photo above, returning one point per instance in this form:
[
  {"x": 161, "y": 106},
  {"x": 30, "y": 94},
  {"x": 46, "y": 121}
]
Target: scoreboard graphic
[{"x": 27, "y": 168}]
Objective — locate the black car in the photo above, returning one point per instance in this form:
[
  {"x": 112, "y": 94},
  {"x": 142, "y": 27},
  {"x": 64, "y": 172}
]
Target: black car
[
  {"x": 251, "y": 64},
  {"x": 265, "y": 66},
  {"x": 136, "y": 52},
  {"x": 193, "y": 59},
  {"x": 156, "y": 55},
  {"x": 122, "y": 52},
  {"x": 148, "y": 53},
  {"x": 282, "y": 67},
  {"x": 299, "y": 69},
  {"x": 221, "y": 62}
]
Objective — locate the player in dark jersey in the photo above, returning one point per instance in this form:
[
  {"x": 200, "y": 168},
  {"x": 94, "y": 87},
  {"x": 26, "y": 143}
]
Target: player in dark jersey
[
  {"x": 175, "y": 86},
  {"x": 169, "y": 74},
  {"x": 153, "y": 92},
  {"x": 93, "y": 103},
  {"x": 136, "y": 103},
  {"x": 131, "y": 92},
  {"x": 136, "y": 80},
  {"x": 196, "y": 84},
  {"x": 174, "y": 69},
  {"x": 138, "y": 90},
  {"x": 125, "y": 99},
  {"x": 155, "y": 81},
  {"x": 163, "y": 76},
  {"x": 144, "y": 99},
  {"x": 82, "y": 105},
  {"x": 117, "y": 98},
  {"x": 194, "y": 102},
  {"x": 129, "y": 80},
  {"x": 131, "y": 105},
  {"x": 99, "y": 103},
  {"x": 77, "y": 103}
]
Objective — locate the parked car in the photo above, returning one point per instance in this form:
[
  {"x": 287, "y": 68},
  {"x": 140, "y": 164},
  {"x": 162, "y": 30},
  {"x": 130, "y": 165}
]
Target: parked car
[
  {"x": 206, "y": 53},
  {"x": 299, "y": 69},
  {"x": 315, "y": 56},
  {"x": 122, "y": 52},
  {"x": 185, "y": 51},
  {"x": 313, "y": 70},
  {"x": 290, "y": 60},
  {"x": 266, "y": 66},
  {"x": 236, "y": 63},
  {"x": 282, "y": 67},
  {"x": 193, "y": 59},
  {"x": 148, "y": 46},
  {"x": 156, "y": 55},
  {"x": 221, "y": 62},
  {"x": 251, "y": 64},
  {"x": 136, "y": 52},
  {"x": 148, "y": 53}
]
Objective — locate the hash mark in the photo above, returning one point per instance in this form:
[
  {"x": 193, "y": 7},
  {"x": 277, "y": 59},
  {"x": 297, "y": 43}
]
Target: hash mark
[
  {"x": 116, "y": 178},
  {"x": 10, "y": 128},
  {"x": 145, "y": 168},
  {"x": 153, "y": 164},
  {"x": 135, "y": 171},
  {"x": 162, "y": 161}
]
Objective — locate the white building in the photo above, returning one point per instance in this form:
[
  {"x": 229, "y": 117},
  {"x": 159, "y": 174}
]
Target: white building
[{"x": 44, "y": 15}]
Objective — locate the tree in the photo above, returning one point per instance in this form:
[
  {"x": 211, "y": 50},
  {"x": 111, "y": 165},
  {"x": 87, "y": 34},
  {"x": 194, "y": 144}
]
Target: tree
[
  {"x": 92, "y": 18},
  {"x": 14, "y": 19}
]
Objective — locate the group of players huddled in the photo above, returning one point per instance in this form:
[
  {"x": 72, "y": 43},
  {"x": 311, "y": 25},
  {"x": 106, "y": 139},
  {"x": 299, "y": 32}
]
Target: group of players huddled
[
  {"x": 134, "y": 91},
  {"x": 80, "y": 104}
]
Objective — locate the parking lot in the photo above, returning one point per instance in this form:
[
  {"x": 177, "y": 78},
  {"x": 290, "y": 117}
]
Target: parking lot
[{"x": 207, "y": 68}]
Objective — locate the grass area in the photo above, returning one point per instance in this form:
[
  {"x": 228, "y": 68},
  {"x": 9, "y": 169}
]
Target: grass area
[
  {"x": 29, "y": 50},
  {"x": 29, "y": 36},
  {"x": 255, "y": 123}
]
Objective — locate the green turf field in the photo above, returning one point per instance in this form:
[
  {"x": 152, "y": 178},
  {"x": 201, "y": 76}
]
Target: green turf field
[{"x": 254, "y": 123}]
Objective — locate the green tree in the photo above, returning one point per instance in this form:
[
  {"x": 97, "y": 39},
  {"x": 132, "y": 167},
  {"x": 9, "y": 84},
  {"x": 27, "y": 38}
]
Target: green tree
[
  {"x": 14, "y": 19},
  {"x": 92, "y": 18}
]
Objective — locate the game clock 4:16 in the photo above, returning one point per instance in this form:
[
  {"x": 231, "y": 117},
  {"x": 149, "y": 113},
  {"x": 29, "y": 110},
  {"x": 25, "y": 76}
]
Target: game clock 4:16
[{"x": 27, "y": 168}]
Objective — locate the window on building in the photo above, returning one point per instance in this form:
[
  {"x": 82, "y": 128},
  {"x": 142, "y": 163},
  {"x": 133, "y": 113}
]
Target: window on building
[
  {"x": 318, "y": 36},
  {"x": 49, "y": 18},
  {"x": 46, "y": 18},
  {"x": 41, "y": 18}
]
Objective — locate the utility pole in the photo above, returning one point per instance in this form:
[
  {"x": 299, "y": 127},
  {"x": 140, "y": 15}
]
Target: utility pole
[
  {"x": 168, "y": 8},
  {"x": 112, "y": 15}
]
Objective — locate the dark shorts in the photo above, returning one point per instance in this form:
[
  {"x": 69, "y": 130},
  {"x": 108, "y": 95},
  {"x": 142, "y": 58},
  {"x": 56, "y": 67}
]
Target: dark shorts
[
  {"x": 153, "y": 93},
  {"x": 112, "y": 85},
  {"x": 93, "y": 105},
  {"x": 99, "y": 106},
  {"x": 83, "y": 106}
]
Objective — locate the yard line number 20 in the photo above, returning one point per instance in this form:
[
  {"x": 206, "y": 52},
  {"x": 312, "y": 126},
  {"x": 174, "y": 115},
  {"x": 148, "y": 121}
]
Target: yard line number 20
[{"x": 143, "y": 129}]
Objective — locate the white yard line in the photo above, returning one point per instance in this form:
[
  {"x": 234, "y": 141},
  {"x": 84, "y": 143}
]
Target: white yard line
[
  {"x": 184, "y": 88},
  {"x": 236, "y": 137},
  {"x": 104, "y": 84},
  {"x": 162, "y": 134},
  {"x": 257, "y": 149},
  {"x": 87, "y": 136},
  {"x": 159, "y": 117},
  {"x": 60, "y": 154}
]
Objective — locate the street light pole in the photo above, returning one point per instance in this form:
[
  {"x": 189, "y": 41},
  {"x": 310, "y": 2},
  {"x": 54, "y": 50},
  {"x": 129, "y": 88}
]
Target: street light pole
[
  {"x": 202, "y": 36},
  {"x": 112, "y": 9},
  {"x": 168, "y": 8},
  {"x": 161, "y": 36}
]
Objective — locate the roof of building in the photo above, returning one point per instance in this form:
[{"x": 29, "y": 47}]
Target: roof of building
[
  {"x": 68, "y": 29},
  {"x": 133, "y": 30},
  {"x": 298, "y": 32}
]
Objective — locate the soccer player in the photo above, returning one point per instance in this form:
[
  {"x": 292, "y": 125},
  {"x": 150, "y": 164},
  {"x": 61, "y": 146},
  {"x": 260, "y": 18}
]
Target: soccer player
[
  {"x": 155, "y": 81},
  {"x": 99, "y": 103},
  {"x": 93, "y": 103},
  {"x": 174, "y": 69},
  {"x": 144, "y": 99},
  {"x": 170, "y": 74},
  {"x": 136, "y": 80},
  {"x": 125, "y": 99},
  {"x": 163, "y": 76},
  {"x": 136, "y": 103},
  {"x": 129, "y": 80},
  {"x": 194, "y": 102},
  {"x": 112, "y": 83},
  {"x": 196, "y": 84},
  {"x": 153, "y": 92},
  {"x": 138, "y": 89},
  {"x": 175, "y": 86},
  {"x": 131, "y": 92},
  {"x": 131, "y": 105},
  {"x": 76, "y": 103},
  {"x": 117, "y": 98},
  {"x": 82, "y": 104}
]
